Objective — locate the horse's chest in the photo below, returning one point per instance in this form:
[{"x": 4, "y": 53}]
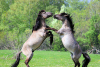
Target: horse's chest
[
  {"x": 64, "y": 38},
  {"x": 68, "y": 42}
]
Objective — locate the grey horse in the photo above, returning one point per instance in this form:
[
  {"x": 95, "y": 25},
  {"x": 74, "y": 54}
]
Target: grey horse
[
  {"x": 39, "y": 34},
  {"x": 66, "y": 33}
]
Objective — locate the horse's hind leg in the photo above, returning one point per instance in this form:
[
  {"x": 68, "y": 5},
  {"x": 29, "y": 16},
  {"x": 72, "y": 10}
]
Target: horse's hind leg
[
  {"x": 76, "y": 63},
  {"x": 29, "y": 57},
  {"x": 75, "y": 60}
]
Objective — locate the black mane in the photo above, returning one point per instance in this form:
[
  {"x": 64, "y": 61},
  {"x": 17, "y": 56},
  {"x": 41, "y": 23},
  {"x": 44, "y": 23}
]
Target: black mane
[
  {"x": 70, "y": 21},
  {"x": 38, "y": 21}
]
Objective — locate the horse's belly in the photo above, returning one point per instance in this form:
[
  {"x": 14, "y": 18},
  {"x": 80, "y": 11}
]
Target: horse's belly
[{"x": 68, "y": 43}]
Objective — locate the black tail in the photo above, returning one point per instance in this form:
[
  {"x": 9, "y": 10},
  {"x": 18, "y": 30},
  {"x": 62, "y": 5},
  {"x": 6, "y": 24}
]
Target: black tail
[
  {"x": 17, "y": 60},
  {"x": 86, "y": 60}
]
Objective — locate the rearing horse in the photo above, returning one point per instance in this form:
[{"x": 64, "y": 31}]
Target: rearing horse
[
  {"x": 39, "y": 34},
  {"x": 66, "y": 33}
]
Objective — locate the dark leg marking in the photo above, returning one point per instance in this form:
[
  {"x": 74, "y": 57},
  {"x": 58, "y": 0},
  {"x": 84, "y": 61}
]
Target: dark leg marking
[{"x": 28, "y": 59}]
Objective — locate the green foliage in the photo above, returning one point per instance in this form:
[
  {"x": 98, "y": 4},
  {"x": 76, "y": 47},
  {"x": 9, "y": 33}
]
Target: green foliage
[
  {"x": 17, "y": 18},
  {"x": 92, "y": 33},
  {"x": 99, "y": 36},
  {"x": 58, "y": 46},
  {"x": 86, "y": 24}
]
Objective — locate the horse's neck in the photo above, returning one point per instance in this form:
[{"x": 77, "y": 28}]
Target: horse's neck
[
  {"x": 67, "y": 30},
  {"x": 43, "y": 23},
  {"x": 66, "y": 27},
  {"x": 43, "y": 26},
  {"x": 66, "y": 24}
]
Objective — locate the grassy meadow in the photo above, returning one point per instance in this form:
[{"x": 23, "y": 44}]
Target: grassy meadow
[{"x": 46, "y": 59}]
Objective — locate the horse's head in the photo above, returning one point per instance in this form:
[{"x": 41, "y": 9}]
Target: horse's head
[
  {"x": 63, "y": 17},
  {"x": 41, "y": 16},
  {"x": 44, "y": 14}
]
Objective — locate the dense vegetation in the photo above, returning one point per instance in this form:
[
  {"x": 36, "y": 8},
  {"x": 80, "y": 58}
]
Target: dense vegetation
[{"x": 17, "y": 18}]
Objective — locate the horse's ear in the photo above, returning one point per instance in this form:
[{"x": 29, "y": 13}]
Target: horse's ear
[{"x": 41, "y": 12}]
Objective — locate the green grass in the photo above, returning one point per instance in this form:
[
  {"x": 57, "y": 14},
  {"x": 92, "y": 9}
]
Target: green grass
[{"x": 46, "y": 59}]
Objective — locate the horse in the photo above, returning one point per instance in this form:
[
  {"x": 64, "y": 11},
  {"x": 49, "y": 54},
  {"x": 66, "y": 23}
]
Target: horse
[
  {"x": 66, "y": 33},
  {"x": 39, "y": 34}
]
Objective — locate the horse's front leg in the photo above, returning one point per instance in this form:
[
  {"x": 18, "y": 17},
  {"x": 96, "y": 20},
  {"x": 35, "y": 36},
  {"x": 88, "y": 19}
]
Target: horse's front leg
[
  {"x": 60, "y": 32},
  {"x": 57, "y": 31},
  {"x": 49, "y": 28},
  {"x": 49, "y": 33}
]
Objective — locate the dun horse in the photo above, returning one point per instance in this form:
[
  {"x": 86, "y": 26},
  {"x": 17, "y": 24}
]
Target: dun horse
[
  {"x": 66, "y": 33},
  {"x": 39, "y": 34}
]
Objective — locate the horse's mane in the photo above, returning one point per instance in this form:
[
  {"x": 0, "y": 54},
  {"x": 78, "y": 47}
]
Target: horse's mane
[
  {"x": 38, "y": 21},
  {"x": 70, "y": 21}
]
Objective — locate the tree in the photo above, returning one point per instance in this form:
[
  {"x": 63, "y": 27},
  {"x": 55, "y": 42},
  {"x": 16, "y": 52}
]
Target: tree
[{"x": 93, "y": 33}]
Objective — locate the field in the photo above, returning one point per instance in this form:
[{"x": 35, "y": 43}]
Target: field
[{"x": 46, "y": 59}]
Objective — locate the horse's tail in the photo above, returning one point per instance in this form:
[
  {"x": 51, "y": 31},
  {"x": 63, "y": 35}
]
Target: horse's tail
[
  {"x": 17, "y": 60},
  {"x": 86, "y": 60}
]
